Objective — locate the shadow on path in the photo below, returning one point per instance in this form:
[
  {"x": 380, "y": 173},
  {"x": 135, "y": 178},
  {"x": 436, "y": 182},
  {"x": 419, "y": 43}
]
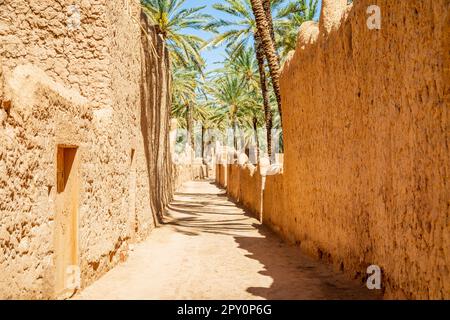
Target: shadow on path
[{"x": 293, "y": 274}]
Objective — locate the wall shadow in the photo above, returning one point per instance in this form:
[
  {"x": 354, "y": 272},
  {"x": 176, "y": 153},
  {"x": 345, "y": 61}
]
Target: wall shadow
[
  {"x": 293, "y": 274},
  {"x": 193, "y": 213},
  {"x": 296, "y": 276}
]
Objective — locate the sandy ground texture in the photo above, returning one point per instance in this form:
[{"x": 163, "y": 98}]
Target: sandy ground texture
[{"x": 209, "y": 248}]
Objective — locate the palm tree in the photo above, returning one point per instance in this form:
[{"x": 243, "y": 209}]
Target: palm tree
[
  {"x": 171, "y": 19},
  {"x": 186, "y": 85},
  {"x": 288, "y": 21},
  {"x": 250, "y": 116},
  {"x": 242, "y": 29},
  {"x": 268, "y": 10},
  {"x": 205, "y": 117},
  {"x": 243, "y": 63},
  {"x": 263, "y": 24},
  {"x": 228, "y": 95}
]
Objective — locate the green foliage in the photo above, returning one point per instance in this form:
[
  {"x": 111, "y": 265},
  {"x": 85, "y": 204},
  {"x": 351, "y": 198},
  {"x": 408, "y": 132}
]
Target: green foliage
[
  {"x": 172, "y": 21},
  {"x": 241, "y": 26},
  {"x": 231, "y": 96},
  {"x": 288, "y": 21},
  {"x": 187, "y": 87}
]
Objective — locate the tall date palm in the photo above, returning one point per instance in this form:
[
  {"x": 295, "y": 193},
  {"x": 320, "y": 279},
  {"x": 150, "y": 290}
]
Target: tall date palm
[
  {"x": 246, "y": 66},
  {"x": 240, "y": 32},
  {"x": 172, "y": 20},
  {"x": 288, "y": 22},
  {"x": 264, "y": 26}
]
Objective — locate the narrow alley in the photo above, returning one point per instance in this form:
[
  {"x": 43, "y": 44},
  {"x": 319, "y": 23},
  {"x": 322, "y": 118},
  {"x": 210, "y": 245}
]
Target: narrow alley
[
  {"x": 324, "y": 123},
  {"x": 210, "y": 249}
]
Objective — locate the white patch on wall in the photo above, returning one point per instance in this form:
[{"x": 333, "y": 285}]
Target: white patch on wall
[
  {"x": 374, "y": 280},
  {"x": 103, "y": 116},
  {"x": 374, "y": 19},
  {"x": 73, "y": 279},
  {"x": 73, "y": 18}
]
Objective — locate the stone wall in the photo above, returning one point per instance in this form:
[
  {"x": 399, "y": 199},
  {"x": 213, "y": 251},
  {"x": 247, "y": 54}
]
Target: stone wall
[
  {"x": 100, "y": 89},
  {"x": 366, "y": 122}
]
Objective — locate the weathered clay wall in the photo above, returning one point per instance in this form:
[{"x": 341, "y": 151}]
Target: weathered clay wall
[
  {"x": 250, "y": 189},
  {"x": 366, "y": 166},
  {"x": 182, "y": 174},
  {"x": 38, "y": 32},
  {"x": 221, "y": 175},
  {"x": 233, "y": 181},
  {"x": 1, "y": 84},
  {"x": 217, "y": 176},
  {"x": 245, "y": 185},
  {"x": 273, "y": 203},
  {"x": 28, "y": 137},
  {"x": 96, "y": 88}
]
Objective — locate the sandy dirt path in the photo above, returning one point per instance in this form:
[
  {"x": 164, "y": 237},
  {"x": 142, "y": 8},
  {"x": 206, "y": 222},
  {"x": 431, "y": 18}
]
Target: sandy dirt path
[{"x": 209, "y": 248}]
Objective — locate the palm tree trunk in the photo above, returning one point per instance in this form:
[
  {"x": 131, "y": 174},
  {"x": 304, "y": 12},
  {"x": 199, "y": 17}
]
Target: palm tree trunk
[
  {"x": 190, "y": 127},
  {"x": 268, "y": 10},
  {"x": 234, "y": 135},
  {"x": 255, "y": 129},
  {"x": 269, "y": 47},
  {"x": 265, "y": 93},
  {"x": 203, "y": 144}
]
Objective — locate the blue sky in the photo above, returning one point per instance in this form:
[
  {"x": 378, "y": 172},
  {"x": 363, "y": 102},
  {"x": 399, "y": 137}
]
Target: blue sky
[{"x": 212, "y": 56}]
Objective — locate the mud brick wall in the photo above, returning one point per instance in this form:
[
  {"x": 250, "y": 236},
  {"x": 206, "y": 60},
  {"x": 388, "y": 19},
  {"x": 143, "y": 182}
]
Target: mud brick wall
[
  {"x": 233, "y": 181},
  {"x": 100, "y": 86},
  {"x": 250, "y": 189},
  {"x": 366, "y": 164},
  {"x": 221, "y": 175}
]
